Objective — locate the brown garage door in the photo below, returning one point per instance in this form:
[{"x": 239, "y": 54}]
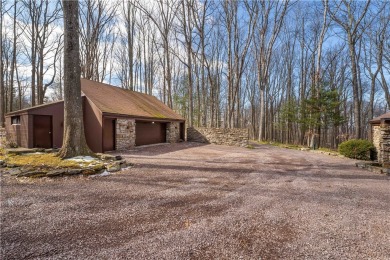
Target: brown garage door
[
  {"x": 42, "y": 131},
  {"x": 149, "y": 133}
]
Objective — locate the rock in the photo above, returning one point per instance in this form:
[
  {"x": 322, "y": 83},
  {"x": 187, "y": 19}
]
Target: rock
[
  {"x": 118, "y": 157},
  {"x": 114, "y": 167},
  {"x": 88, "y": 172},
  {"x": 73, "y": 171},
  {"x": 55, "y": 173},
  {"x": 10, "y": 165},
  {"x": 361, "y": 165},
  {"x": 97, "y": 167},
  {"x": 1, "y": 162},
  {"x": 106, "y": 157},
  {"x": 37, "y": 173},
  {"x": 15, "y": 171},
  {"x": 122, "y": 162}
]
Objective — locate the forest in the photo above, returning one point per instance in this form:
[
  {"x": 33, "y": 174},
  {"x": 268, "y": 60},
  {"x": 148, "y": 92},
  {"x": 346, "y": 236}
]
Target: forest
[{"x": 289, "y": 71}]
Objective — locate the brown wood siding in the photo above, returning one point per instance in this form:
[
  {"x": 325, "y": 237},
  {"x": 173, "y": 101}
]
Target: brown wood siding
[
  {"x": 149, "y": 133},
  {"x": 93, "y": 126},
  {"x": 56, "y": 111},
  {"x": 18, "y": 133}
]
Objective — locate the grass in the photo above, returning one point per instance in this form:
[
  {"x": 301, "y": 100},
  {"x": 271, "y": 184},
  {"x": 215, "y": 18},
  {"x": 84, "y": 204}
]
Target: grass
[
  {"x": 47, "y": 160},
  {"x": 294, "y": 146}
]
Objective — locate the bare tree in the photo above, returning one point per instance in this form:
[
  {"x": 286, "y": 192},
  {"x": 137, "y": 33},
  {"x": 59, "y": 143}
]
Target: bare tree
[
  {"x": 272, "y": 15},
  {"x": 349, "y": 16},
  {"x": 2, "y": 96}
]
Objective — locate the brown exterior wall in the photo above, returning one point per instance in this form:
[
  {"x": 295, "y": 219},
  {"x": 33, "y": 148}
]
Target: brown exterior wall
[
  {"x": 18, "y": 134},
  {"x": 222, "y": 136},
  {"x": 93, "y": 122},
  {"x": 57, "y": 112}
]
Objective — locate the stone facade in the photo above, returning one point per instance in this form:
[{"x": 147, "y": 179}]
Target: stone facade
[
  {"x": 173, "y": 132},
  {"x": 3, "y": 137},
  {"x": 384, "y": 148},
  {"x": 221, "y": 136},
  {"x": 125, "y": 134},
  {"x": 376, "y": 137}
]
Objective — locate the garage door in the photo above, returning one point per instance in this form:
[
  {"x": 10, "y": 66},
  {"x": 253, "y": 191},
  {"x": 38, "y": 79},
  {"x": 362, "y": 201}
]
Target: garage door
[{"x": 150, "y": 133}]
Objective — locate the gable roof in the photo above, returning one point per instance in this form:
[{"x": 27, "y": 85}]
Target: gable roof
[
  {"x": 377, "y": 120},
  {"x": 29, "y": 109},
  {"x": 114, "y": 100}
]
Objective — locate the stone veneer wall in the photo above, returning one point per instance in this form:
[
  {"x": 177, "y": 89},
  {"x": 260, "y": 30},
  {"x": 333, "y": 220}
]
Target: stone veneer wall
[
  {"x": 222, "y": 136},
  {"x": 125, "y": 134},
  {"x": 3, "y": 137},
  {"x": 376, "y": 137},
  {"x": 384, "y": 150},
  {"x": 173, "y": 132}
]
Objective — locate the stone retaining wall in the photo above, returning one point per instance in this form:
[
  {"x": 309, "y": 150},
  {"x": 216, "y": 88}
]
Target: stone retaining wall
[
  {"x": 125, "y": 134},
  {"x": 221, "y": 136}
]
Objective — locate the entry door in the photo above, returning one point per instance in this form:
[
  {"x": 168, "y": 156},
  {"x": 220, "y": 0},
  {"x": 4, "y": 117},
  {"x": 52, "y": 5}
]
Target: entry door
[
  {"x": 42, "y": 131},
  {"x": 108, "y": 134}
]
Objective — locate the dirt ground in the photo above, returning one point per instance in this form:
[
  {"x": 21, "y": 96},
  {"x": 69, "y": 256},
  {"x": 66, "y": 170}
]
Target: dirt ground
[{"x": 193, "y": 201}]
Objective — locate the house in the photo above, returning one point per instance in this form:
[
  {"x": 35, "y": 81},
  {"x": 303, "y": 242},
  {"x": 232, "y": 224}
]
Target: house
[
  {"x": 114, "y": 119},
  {"x": 380, "y": 132}
]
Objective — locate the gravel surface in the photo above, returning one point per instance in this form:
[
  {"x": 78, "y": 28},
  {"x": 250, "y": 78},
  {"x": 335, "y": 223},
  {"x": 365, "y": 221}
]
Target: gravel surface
[{"x": 192, "y": 201}]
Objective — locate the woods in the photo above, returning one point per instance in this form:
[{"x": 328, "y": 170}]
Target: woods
[{"x": 291, "y": 72}]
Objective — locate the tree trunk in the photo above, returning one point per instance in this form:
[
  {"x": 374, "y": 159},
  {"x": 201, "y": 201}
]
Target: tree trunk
[
  {"x": 74, "y": 143},
  {"x": 2, "y": 98}
]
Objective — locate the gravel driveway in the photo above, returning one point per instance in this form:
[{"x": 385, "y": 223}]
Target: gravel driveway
[{"x": 192, "y": 201}]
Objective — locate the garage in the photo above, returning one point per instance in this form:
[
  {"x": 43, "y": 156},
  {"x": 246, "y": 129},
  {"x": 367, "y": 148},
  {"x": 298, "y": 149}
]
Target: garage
[{"x": 150, "y": 133}]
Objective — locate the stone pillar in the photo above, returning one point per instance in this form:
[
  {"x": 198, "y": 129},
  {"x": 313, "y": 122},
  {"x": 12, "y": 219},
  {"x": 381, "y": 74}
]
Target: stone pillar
[
  {"x": 376, "y": 139},
  {"x": 173, "y": 132},
  {"x": 125, "y": 134},
  {"x": 3, "y": 137},
  {"x": 384, "y": 150}
]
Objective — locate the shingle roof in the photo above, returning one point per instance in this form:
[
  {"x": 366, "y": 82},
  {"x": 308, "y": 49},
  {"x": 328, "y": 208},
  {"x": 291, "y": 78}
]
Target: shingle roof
[
  {"x": 378, "y": 119},
  {"x": 114, "y": 100}
]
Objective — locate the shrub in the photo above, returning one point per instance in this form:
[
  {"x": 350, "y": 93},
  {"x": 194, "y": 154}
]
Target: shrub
[{"x": 358, "y": 149}]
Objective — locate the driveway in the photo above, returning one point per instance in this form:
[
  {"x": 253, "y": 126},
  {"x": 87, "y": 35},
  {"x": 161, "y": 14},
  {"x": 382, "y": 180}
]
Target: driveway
[{"x": 193, "y": 201}]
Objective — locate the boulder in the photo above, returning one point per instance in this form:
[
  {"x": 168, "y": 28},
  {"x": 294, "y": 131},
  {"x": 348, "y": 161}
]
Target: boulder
[
  {"x": 15, "y": 171},
  {"x": 55, "y": 173},
  {"x": 106, "y": 157},
  {"x": 118, "y": 157},
  {"x": 122, "y": 162},
  {"x": 88, "y": 172},
  {"x": 37, "y": 173},
  {"x": 114, "y": 167},
  {"x": 73, "y": 171}
]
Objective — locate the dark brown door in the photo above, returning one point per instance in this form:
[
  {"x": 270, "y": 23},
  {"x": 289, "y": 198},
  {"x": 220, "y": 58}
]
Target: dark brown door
[
  {"x": 150, "y": 133},
  {"x": 108, "y": 134},
  {"x": 42, "y": 131}
]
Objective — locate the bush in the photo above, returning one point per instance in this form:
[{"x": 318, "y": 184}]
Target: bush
[{"x": 358, "y": 149}]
